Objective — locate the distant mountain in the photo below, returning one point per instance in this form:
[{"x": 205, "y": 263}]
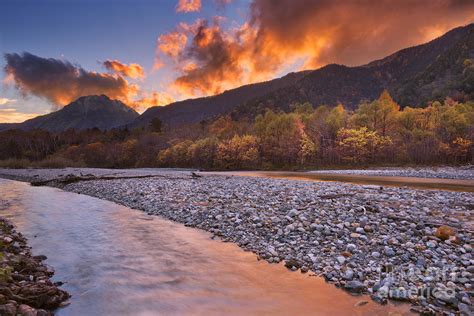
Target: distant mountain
[
  {"x": 86, "y": 112},
  {"x": 196, "y": 110},
  {"x": 413, "y": 77}
]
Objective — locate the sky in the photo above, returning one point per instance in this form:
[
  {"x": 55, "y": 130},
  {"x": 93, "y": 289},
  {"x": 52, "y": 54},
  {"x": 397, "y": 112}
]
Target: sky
[{"x": 147, "y": 53}]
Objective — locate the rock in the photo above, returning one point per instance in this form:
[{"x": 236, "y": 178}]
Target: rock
[
  {"x": 355, "y": 235},
  {"x": 340, "y": 259},
  {"x": 389, "y": 252},
  {"x": 349, "y": 275},
  {"x": 25, "y": 310},
  {"x": 464, "y": 309},
  {"x": 360, "y": 230},
  {"x": 292, "y": 213},
  {"x": 8, "y": 310},
  {"x": 292, "y": 263},
  {"x": 361, "y": 303},
  {"x": 375, "y": 254},
  {"x": 444, "y": 232},
  {"x": 354, "y": 287},
  {"x": 351, "y": 248}
]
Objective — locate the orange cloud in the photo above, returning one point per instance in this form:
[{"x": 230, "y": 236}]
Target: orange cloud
[
  {"x": 13, "y": 116},
  {"x": 304, "y": 33},
  {"x": 133, "y": 71},
  {"x": 172, "y": 44},
  {"x": 188, "y": 6},
  {"x": 61, "y": 82},
  {"x": 153, "y": 99}
]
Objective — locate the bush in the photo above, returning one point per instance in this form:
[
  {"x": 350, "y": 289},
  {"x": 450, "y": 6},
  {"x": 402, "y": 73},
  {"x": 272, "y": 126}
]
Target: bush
[{"x": 13, "y": 163}]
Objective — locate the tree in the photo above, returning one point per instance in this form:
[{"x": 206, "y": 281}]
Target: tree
[
  {"x": 379, "y": 115},
  {"x": 361, "y": 145},
  {"x": 279, "y": 137},
  {"x": 156, "y": 125},
  {"x": 202, "y": 153},
  {"x": 238, "y": 152}
]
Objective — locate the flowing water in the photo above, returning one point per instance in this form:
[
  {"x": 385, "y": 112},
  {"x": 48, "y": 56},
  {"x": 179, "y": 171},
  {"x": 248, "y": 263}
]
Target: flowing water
[{"x": 119, "y": 261}]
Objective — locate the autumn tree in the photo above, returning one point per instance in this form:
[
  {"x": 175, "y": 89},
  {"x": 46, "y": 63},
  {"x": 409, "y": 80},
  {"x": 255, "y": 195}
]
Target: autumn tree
[
  {"x": 238, "y": 152},
  {"x": 379, "y": 115},
  {"x": 278, "y": 136},
  {"x": 361, "y": 145}
]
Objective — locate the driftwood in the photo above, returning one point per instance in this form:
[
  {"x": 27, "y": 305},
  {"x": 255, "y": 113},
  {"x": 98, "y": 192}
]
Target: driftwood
[{"x": 71, "y": 178}]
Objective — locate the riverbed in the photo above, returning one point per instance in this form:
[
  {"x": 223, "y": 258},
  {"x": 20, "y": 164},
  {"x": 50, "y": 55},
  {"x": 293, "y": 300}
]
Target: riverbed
[{"x": 118, "y": 261}]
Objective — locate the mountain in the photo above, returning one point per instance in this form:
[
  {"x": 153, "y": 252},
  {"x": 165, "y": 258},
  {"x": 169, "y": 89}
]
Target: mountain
[
  {"x": 413, "y": 76},
  {"x": 196, "y": 110},
  {"x": 86, "y": 112}
]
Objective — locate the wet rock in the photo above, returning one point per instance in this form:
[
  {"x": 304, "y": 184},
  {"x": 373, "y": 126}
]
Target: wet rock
[
  {"x": 292, "y": 263},
  {"x": 355, "y": 287},
  {"x": 26, "y": 288}
]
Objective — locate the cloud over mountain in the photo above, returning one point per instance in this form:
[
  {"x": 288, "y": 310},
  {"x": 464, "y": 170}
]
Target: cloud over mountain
[
  {"x": 302, "y": 34},
  {"x": 60, "y": 81}
]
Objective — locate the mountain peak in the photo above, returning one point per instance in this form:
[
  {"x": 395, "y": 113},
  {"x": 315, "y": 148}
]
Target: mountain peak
[{"x": 93, "y": 111}]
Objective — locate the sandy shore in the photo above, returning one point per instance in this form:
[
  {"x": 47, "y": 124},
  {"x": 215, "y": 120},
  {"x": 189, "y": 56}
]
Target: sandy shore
[{"x": 393, "y": 243}]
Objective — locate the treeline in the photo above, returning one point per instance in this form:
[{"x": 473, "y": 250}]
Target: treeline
[{"x": 376, "y": 133}]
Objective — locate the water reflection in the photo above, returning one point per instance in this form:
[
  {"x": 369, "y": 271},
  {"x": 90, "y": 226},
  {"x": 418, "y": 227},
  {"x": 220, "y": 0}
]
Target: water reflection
[{"x": 118, "y": 261}]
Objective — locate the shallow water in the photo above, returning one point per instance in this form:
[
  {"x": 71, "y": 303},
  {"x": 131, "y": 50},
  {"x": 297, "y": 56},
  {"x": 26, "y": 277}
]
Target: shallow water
[
  {"x": 411, "y": 182},
  {"x": 119, "y": 261}
]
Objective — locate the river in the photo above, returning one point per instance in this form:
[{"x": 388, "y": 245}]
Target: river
[{"x": 119, "y": 261}]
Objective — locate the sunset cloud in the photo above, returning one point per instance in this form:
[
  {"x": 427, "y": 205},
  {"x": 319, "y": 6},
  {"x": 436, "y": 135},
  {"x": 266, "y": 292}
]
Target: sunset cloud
[
  {"x": 14, "y": 116},
  {"x": 152, "y": 99},
  {"x": 172, "y": 44},
  {"x": 186, "y": 6},
  {"x": 133, "y": 71},
  {"x": 305, "y": 33},
  {"x": 4, "y": 101},
  {"x": 61, "y": 82}
]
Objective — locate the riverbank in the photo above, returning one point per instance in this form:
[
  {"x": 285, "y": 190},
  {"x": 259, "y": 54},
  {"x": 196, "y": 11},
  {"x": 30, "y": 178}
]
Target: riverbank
[
  {"x": 25, "y": 285},
  {"x": 393, "y": 243}
]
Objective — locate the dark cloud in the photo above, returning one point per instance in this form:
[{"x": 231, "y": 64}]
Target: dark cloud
[
  {"x": 214, "y": 60},
  {"x": 62, "y": 82}
]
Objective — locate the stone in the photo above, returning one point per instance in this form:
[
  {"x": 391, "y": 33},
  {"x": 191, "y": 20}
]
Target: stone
[
  {"x": 355, "y": 287},
  {"x": 340, "y": 259},
  {"x": 444, "y": 232},
  {"x": 375, "y": 254},
  {"x": 389, "y": 252},
  {"x": 25, "y": 310}
]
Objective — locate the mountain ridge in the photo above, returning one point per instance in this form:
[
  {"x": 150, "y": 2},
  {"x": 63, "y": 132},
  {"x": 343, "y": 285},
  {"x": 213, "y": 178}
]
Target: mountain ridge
[
  {"x": 413, "y": 76},
  {"x": 84, "y": 113}
]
